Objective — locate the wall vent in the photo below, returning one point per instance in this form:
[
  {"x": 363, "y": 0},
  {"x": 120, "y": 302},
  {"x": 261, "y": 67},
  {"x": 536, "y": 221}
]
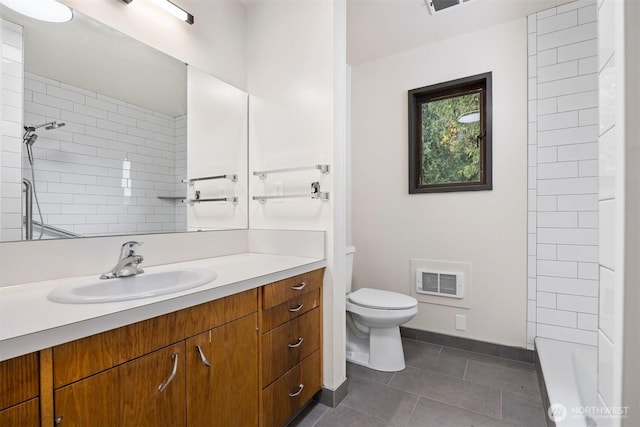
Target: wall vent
[
  {"x": 444, "y": 284},
  {"x": 440, "y": 5}
]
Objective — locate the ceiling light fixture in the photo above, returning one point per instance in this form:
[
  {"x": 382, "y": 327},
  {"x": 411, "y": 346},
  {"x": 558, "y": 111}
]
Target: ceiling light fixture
[
  {"x": 171, "y": 8},
  {"x": 43, "y": 10}
]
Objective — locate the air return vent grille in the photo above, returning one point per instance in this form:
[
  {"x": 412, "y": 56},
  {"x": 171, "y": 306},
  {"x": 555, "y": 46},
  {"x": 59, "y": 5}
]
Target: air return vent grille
[
  {"x": 440, "y": 283},
  {"x": 440, "y": 5}
]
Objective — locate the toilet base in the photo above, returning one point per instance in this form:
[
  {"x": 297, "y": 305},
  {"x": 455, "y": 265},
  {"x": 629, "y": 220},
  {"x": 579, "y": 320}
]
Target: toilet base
[{"x": 381, "y": 349}]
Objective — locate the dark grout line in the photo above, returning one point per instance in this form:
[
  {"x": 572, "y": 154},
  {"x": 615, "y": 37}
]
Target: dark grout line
[
  {"x": 466, "y": 366},
  {"x": 391, "y": 379},
  {"x": 538, "y": 397},
  {"x": 473, "y": 411},
  {"x": 366, "y": 413},
  {"x": 413, "y": 410}
]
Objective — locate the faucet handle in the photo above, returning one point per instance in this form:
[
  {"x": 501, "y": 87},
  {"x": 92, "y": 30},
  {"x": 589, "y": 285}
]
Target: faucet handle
[{"x": 129, "y": 248}]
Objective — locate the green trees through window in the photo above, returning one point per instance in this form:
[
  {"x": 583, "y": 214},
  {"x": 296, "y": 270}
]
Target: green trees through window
[
  {"x": 450, "y": 136},
  {"x": 450, "y": 143}
]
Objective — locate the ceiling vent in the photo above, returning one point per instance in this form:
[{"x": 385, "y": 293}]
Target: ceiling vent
[{"x": 440, "y": 5}]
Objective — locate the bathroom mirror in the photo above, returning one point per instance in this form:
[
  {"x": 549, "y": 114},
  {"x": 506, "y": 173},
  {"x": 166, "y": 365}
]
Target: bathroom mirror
[{"x": 109, "y": 143}]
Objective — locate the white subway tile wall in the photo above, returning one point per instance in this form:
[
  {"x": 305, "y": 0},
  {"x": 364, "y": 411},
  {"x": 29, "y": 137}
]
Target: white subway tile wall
[
  {"x": 103, "y": 171},
  {"x": 563, "y": 173},
  {"x": 12, "y": 88}
]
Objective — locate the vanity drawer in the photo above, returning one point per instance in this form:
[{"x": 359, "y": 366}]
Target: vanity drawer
[
  {"x": 285, "y": 397},
  {"x": 19, "y": 380},
  {"x": 296, "y": 306},
  {"x": 279, "y": 292},
  {"x": 288, "y": 344},
  {"x": 78, "y": 359}
]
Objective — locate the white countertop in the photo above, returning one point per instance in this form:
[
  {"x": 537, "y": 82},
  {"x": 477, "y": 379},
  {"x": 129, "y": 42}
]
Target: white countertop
[{"x": 30, "y": 322}]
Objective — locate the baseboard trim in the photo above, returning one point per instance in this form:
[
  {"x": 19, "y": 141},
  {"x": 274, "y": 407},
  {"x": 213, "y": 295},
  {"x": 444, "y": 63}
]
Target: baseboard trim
[
  {"x": 496, "y": 350},
  {"x": 332, "y": 398}
]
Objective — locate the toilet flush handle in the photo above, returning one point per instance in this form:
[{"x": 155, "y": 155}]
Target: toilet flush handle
[{"x": 299, "y": 287}]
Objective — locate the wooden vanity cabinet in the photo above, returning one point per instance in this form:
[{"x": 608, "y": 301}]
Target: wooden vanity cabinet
[
  {"x": 142, "y": 392},
  {"x": 19, "y": 391},
  {"x": 291, "y": 346},
  {"x": 249, "y": 359},
  {"x": 222, "y": 373},
  {"x": 119, "y": 377}
]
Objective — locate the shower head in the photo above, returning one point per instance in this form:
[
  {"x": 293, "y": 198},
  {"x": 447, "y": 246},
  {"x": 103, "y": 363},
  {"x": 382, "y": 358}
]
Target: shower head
[
  {"x": 47, "y": 126},
  {"x": 29, "y": 140},
  {"x": 54, "y": 125}
]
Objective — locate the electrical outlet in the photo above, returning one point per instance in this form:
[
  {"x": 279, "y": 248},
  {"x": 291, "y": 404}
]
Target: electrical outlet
[{"x": 461, "y": 322}]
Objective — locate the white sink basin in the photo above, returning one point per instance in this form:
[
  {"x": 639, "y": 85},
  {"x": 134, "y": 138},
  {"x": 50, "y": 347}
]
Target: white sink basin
[{"x": 143, "y": 285}]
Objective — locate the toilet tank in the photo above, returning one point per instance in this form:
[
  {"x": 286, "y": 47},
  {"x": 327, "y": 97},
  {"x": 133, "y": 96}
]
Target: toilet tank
[{"x": 349, "y": 267}]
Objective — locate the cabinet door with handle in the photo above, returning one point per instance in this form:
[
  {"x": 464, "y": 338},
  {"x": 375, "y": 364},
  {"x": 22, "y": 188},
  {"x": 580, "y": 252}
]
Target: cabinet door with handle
[
  {"x": 152, "y": 389},
  {"x": 91, "y": 401},
  {"x": 148, "y": 391},
  {"x": 222, "y": 375}
]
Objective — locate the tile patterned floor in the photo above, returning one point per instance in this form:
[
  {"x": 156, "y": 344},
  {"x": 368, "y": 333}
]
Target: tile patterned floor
[{"x": 441, "y": 386}]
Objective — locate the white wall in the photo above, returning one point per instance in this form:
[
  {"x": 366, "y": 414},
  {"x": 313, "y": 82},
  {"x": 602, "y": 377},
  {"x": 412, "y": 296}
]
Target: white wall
[
  {"x": 296, "y": 77},
  {"x": 484, "y": 228},
  {"x": 611, "y": 66},
  {"x": 11, "y": 134},
  {"x": 215, "y": 43},
  {"x": 631, "y": 368},
  {"x": 217, "y": 145},
  {"x": 563, "y": 174}
]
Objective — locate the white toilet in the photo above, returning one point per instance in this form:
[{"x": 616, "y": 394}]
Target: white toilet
[{"x": 373, "y": 324}]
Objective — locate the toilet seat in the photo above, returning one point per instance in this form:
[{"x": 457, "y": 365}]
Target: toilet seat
[{"x": 379, "y": 299}]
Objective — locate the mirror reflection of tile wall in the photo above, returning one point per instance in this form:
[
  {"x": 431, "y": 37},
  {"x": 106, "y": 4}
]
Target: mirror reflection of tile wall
[
  {"x": 117, "y": 166},
  {"x": 103, "y": 171}
]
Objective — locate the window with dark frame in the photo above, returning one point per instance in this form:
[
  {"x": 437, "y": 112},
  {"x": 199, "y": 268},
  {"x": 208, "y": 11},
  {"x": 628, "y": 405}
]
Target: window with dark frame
[{"x": 450, "y": 136}]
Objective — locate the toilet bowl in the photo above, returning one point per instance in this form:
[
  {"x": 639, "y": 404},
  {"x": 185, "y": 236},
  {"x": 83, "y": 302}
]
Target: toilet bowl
[{"x": 373, "y": 324}]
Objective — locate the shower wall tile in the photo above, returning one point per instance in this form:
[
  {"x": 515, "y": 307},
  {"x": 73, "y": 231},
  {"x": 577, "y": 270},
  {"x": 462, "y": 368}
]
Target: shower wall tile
[
  {"x": 103, "y": 171},
  {"x": 587, "y": 48},
  {"x": 588, "y": 322},
  {"x": 563, "y": 165},
  {"x": 557, "y": 22},
  {"x": 561, "y": 333},
  {"x": 567, "y": 319}
]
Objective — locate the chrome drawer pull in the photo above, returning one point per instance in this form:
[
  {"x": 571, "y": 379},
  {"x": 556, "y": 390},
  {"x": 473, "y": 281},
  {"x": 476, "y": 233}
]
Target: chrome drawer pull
[
  {"x": 298, "y": 308},
  {"x": 297, "y": 393},
  {"x": 299, "y": 287},
  {"x": 203, "y": 357},
  {"x": 164, "y": 385},
  {"x": 296, "y": 344}
]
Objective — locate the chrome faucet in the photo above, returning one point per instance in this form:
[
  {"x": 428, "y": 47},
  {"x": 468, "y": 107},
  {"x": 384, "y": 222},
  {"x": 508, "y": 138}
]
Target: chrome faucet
[{"x": 127, "y": 263}]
